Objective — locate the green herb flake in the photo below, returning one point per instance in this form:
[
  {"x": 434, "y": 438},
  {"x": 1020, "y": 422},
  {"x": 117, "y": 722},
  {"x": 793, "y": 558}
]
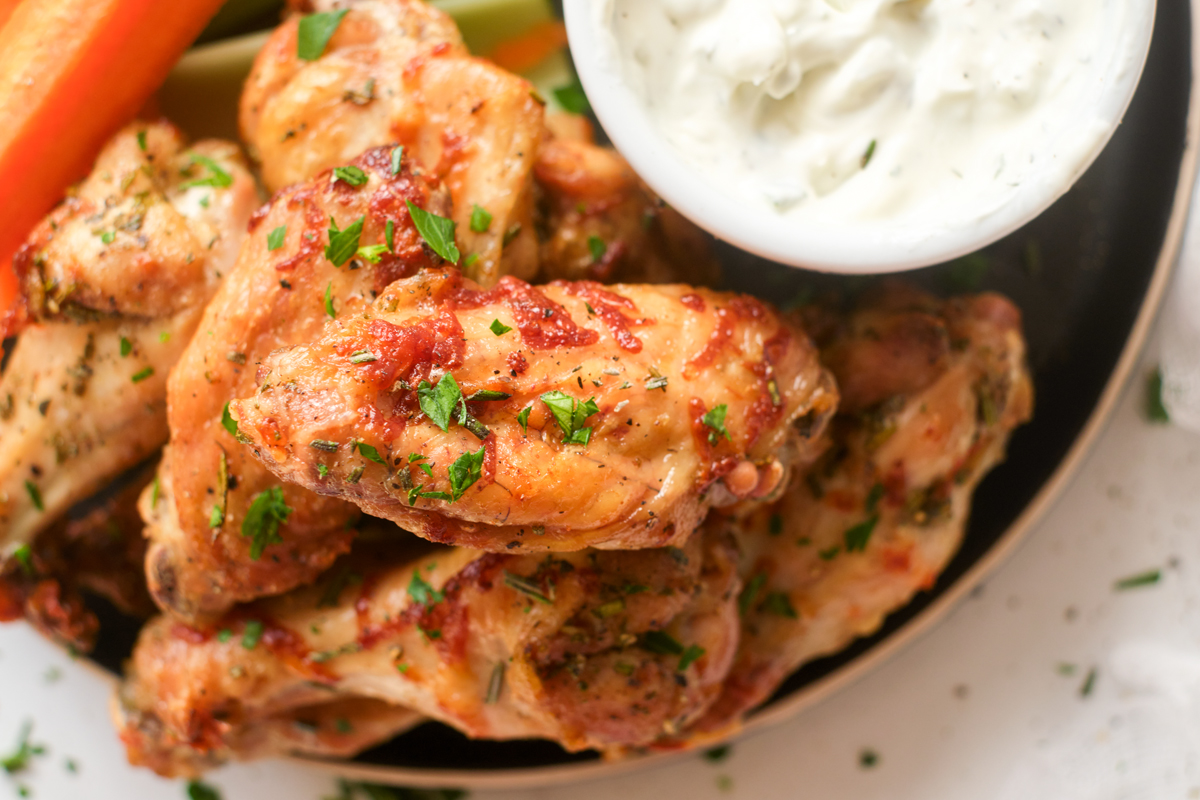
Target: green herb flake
[
  {"x": 523, "y": 419},
  {"x": 24, "y": 752},
  {"x": 217, "y": 518},
  {"x": 370, "y": 453},
  {"x": 438, "y": 232},
  {"x": 597, "y": 248},
  {"x": 868, "y": 154},
  {"x": 389, "y": 236},
  {"x": 438, "y": 402},
  {"x": 217, "y": 178},
  {"x": 465, "y": 471},
  {"x": 656, "y": 380},
  {"x": 499, "y": 328},
  {"x": 1089, "y": 683},
  {"x": 495, "y": 685},
  {"x": 718, "y": 754},
  {"x": 873, "y": 498},
  {"x": 397, "y": 157},
  {"x": 1147, "y": 578},
  {"x": 126, "y": 347},
  {"x": 570, "y": 415},
  {"x": 324, "y": 445},
  {"x": 314, "y": 33},
  {"x": 715, "y": 419},
  {"x": 488, "y": 395},
  {"x": 224, "y": 635},
  {"x": 275, "y": 238},
  {"x": 855, "y": 538},
  {"x": 750, "y": 593},
  {"x": 572, "y": 97},
  {"x": 141, "y": 140},
  {"x": 343, "y": 243},
  {"x": 24, "y": 557},
  {"x": 967, "y": 273},
  {"x": 526, "y": 587},
  {"x": 689, "y": 657},
  {"x": 228, "y": 422},
  {"x": 350, "y": 174},
  {"x": 107, "y": 237},
  {"x": 251, "y": 634},
  {"x": 142, "y": 374},
  {"x": 481, "y": 220},
  {"x": 868, "y": 759},
  {"x": 661, "y": 643},
  {"x": 201, "y": 791},
  {"x": 422, "y": 593},
  {"x": 35, "y": 495},
  {"x": 261, "y": 525},
  {"x": 775, "y": 524},
  {"x": 329, "y": 309},
  {"x": 779, "y": 604},
  {"x": 1156, "y": 411}
]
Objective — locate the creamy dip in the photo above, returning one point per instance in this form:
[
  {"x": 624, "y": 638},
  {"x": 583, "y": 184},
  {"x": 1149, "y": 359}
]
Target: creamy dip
[{"x": 885, "y": 110}]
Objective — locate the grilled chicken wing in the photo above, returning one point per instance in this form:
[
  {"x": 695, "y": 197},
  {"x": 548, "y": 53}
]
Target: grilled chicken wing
[
  {"x": 593, "y": 649},
  {"x": 880, "y": 516},
  {"x": 118, "y": 275},
  {"x": 210, "y": 546},
  {"x": 396, "y": 71},
  {"x": 589, "y": 416}
]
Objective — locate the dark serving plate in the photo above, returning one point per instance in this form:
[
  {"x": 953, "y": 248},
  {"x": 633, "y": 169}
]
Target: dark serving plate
[{"x": 1087, "y": 274}]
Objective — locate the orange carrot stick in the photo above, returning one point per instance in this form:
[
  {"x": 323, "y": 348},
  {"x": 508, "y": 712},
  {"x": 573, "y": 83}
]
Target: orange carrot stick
[
  {"x": 531, "y": 48},
  {"x": 71, "y": 73}
]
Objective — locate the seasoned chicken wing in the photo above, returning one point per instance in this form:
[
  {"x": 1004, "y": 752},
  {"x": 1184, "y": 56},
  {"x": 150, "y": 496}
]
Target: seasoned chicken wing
[
  {"x": 880, "y": 516},
  {"x": 216, "y": 536},
  {"x": 396, "y": 71},
  {"x": 542, "y": 418},
  {"x": 592, "y": 649},
  {"x": 117, "y": 275}
]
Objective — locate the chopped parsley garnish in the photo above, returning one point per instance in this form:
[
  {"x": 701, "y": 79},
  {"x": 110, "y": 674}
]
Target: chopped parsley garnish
[
  {"x": 142, "y": 374},
  {"x": 499, "y": 328},
  {"x": 349, "y": 174},
  {"x": 337, "y": 585},
  {"x": 201, "y": 791},
  {"x": 438, "y": 232},
  {"x": 873, "y": 498},
  {"x": 370, "y": 453},
  {"x": 141, "y": 140},
  {"x": 717, "y": 754},
  {"x": 656, "y": 380},
  {"x": 715, "y": 419},
  {"x": 829, "y": 553},
  {"x": 126, "y": 347},
  {"x": 689, "y": 657},
  {"x": 465, "y": 471},
  {"x": 19, "y": 759},
  {"x": 324, "y": 445},
  {"x": 107, "y": 237},
  {"x": 164, "y": 337},
  {"x": 24, "y": 557},
  {"x": 330, "y": 311},
  {"x": 363, "y": 357},
  {"x": 252, "y": 634},
  {"x": 870, "y": 151},
  {"x": 779, "y": 604},
  {"x": 526, "y": 587},
  {"x": 218, "y": 179},
  {"x": 372, "y": 252},
  {"x": 570, "y": 415},
  {"x": 750, "y": 593},
  {"x": 572, "y": 97},
  {"x": 775, "y": 524},
  {"x": 661, "y": 643},
  {"x": 266, "y": 513},
  {"x": 343, "y": 243},
  {"x": 967, "y": 273},
  {"x": 421, "y": 592},
  {"x": 228, "y": 422},
  {"x": 1089, "y": 683},
  {"x": 481, "y": 220},
  {"x": 1156, "y": 411},
  {"x": 314, "y": 33},
  {"x": 495, "y": 684},
  {"x": 224, "y": 635},
  {"x": 856, "y": 537},
  {"x": 471, "y": 260},
  {"x": 1148, "y": 578},
  {"x": 868, "y": 759},
  {"x": 35, "y": 495},
  {"x": 397, "y": 157},
  {"x": 512, "y": 233},
  {"x": 322, "y": 471},
  {"x": 217, "y": 518},
  {"x": 487, "y": 395},
  {"x": 438, "y": 402},
  {"x": 597, "y": 248},
  {"x": 275, "y": 238}
]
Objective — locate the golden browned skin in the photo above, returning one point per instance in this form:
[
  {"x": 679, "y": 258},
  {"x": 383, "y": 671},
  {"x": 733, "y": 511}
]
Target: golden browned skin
[
  {"x": 396, "y": 71},
  {"x": 592, "y": 649},
  {"x": 654, "y": 361},
  {"x": 881, "y": 515},
  {"x": 116, "y": 278},
  {"x": 200, "y": 562}
]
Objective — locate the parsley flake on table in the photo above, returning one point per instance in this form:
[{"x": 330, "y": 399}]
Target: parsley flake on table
[
  {"x": 201, "y": 791},
  {"x": 715, "y": 419},
  {"x": 438, "y": 232},
  {"x": 261, "y": 525},
  {"x": 570, "y": 414},
  {"x": 314, "y": 33},
  {"x": 21, "y": 757},
  {"x": 1147, "y": 578},
  {"x": 275, "y": 238},
  {"x": 343, "y": 243}
]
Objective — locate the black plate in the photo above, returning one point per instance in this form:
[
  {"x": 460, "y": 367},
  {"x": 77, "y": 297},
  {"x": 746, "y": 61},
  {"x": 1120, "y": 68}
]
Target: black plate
[{"x": 1080, "y": 273}]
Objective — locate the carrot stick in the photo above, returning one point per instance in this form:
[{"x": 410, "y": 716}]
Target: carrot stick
[
  {"x": 531, "y": 48},
  {"x": 71, "y": 73}
]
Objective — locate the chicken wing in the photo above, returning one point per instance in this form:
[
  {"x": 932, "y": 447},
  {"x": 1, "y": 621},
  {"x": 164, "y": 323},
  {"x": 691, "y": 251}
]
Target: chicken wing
[
  {"x": 586, "y": 416},
  {"x": 203, "y": 557},
  {"x": 118, "y": 275},
  {"x": 592, "y": 649},
  {"x": 396, "y": 71},
  {"x": 883, "y": 512}
]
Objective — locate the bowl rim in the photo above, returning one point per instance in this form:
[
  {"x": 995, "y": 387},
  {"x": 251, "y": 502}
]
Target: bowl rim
[{"x": 813, "y": 245}]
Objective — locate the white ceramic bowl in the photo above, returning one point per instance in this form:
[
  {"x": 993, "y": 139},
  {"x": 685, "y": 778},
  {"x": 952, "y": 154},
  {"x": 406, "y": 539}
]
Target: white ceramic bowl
[{"x": 877, "y": 246}]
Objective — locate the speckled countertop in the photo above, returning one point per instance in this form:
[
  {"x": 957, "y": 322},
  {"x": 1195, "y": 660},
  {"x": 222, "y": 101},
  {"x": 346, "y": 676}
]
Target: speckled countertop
[{"x": 994, "y": 703}]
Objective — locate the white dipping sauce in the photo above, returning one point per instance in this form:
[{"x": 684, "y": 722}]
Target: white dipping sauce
[{"x": 840, "y": 110}]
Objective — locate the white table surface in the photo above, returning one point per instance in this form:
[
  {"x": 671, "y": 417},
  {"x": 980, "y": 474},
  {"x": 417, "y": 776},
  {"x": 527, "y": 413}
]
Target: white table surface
[{"x": 976, "y": 709}]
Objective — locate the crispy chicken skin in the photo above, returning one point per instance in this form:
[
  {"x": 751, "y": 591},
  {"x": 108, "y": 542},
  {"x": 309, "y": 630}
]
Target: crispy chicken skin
[
  {"x": 116, "y": 277},
  {"x": 396, "y": 71},
  {"x": 656, "y": 360},
  {"x": 592, "y": 649},
  {"x": 881, "y": 515},
  {"x": 199, "y": 562}
]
